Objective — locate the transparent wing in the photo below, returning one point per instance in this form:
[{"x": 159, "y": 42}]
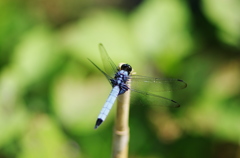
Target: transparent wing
[
  {"x": 156, "y": 84},
  {"x": 106, "y": 75},
  {"x": 108, "y": 64},
  {"x": 147, "y": 98}
]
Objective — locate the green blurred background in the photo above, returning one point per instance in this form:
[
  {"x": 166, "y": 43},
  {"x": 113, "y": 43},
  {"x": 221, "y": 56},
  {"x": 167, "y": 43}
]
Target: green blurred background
[{"x": 50, "y": 94}]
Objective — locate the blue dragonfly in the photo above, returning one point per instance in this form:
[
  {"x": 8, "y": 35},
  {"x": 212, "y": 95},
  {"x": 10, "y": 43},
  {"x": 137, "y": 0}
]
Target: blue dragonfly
[{"x": 120, "y": 77}]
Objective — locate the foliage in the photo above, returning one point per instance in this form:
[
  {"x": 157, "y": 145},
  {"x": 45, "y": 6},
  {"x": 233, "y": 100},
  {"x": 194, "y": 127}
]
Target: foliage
[{"x": 50, "y": 94}]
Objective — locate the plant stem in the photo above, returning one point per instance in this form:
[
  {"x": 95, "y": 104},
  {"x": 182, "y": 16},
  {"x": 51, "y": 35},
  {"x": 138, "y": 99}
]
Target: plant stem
[{"x": 121, "y": 130}]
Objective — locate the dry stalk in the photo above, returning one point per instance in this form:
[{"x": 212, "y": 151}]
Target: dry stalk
[{"x": 121, "y": 130}]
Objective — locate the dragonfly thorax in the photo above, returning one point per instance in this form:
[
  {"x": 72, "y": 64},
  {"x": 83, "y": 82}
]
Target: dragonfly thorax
[{"x": 120, "y": 79}]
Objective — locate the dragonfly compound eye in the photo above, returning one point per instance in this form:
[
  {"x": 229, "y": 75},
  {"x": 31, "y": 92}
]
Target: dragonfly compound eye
[{"x": 126, "y": 67}]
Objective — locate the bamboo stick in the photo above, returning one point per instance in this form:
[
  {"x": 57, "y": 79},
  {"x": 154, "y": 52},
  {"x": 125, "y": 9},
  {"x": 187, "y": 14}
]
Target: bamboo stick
[{"x": 121, "y": 129}]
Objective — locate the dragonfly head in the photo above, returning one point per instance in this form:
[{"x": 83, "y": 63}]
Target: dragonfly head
[{"x": 127, "y": 68}]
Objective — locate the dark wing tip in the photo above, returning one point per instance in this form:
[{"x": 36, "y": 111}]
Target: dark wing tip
[
  {"x": 176, "y": 105},
  {"x": 182, "y": 82},
  {"x": 98, "y": 123},
  {"x": 100, "y": 45}
]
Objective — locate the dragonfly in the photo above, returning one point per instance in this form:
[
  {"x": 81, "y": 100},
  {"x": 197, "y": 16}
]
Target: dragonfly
[{"x": 121, "y": 77}]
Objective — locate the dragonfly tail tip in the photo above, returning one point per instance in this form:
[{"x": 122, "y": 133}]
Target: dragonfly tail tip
[{"x": 98, "y": 123}]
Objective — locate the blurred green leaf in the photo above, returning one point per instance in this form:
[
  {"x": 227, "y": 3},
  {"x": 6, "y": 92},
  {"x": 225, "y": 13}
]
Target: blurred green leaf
[
  {"x": 44, "y": 139},
  {"x": 225, "y": 15}
]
